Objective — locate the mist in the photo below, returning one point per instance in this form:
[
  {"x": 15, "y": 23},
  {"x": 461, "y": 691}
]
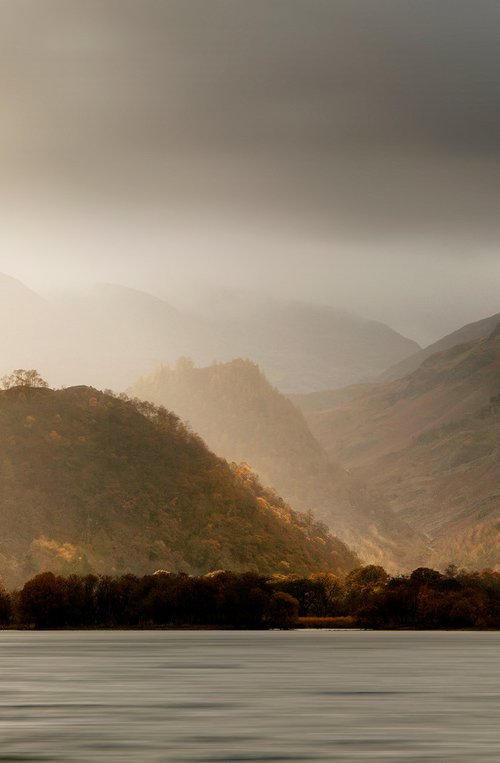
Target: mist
[{"x": 335, "y": 152}]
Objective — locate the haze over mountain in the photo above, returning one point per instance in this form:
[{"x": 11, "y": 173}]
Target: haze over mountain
[
  {"x": 90, "y": 482},
  {"x": 475, "y": 330},
  {"x": 430, "y": 442},
  {"x": 109, "y": 335},
  {"x": 25, "y": 322},
  {"x": 243, "y": 418},
  {"x": 340, "y": 152},
  {"x": 298, "y": 345}
]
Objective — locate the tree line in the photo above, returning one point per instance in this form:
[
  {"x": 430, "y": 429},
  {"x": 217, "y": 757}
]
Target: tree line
[{"x": 368, "y": 597}]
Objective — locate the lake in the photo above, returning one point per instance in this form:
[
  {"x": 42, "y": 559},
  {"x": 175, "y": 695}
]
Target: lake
[{"x": 224, "y": 696}]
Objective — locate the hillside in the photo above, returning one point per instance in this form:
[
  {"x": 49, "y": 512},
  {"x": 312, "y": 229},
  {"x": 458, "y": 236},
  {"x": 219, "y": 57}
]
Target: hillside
[
  {"x": 90, "y": 482},
  {"x": 108, "y": 335},
  {"x": 366, "y": 422},
  {"x": 243, "y": 418},
  {"x": 447, "y": 483},
  {"x": 477, "y": 330},
  {"x": 430, "y": 443}
]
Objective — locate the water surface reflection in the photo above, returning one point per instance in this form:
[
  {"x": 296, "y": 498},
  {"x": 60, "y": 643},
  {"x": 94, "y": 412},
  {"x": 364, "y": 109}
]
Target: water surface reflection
[{"x": 226, "y": 697}]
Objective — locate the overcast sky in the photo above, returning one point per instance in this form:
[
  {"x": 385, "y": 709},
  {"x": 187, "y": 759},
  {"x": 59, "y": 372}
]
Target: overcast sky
[{"x": 346, "y": 151}]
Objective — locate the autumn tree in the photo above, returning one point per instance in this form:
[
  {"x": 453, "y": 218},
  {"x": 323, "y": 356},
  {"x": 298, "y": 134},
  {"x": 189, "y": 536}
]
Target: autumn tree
[
  {"x": 361, "y": 585},
  {"x": 24, "y": 378}
]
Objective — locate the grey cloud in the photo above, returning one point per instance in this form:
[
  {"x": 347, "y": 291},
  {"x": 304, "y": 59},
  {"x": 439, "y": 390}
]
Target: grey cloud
[
  {"x": 100, "y": 92},
  {"x": 273, "y": 77},
  {"x": 318, "y": 122}
]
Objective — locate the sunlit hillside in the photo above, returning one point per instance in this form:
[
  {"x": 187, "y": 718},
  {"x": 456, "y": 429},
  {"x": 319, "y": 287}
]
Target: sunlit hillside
[
  {"x": 242, "y": 417},
  {"x": 90, "y": 482},
  {"x": 430, "y": 443}
]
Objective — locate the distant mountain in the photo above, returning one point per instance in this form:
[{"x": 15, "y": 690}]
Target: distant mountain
[
  {"x": 300, "y": 347},
  {"x": 106, "y": 336},
  {"x": 25, "y": 319},
  {"x": 16, "y": 297},
  {"x": 90, "y": 482},
  {"x": 467, "y": 333},
  {"x": 243, "y": 418},
  {"x": 111, "y": 334},
  {"x": 430, "y": 443},
  {"x": 365, "y": 422}
]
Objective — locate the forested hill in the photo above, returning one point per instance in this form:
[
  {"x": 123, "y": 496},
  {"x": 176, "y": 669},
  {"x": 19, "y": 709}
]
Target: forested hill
[
  {"x": 90, "y": 482},
  {"x": 242, "y": 417}
]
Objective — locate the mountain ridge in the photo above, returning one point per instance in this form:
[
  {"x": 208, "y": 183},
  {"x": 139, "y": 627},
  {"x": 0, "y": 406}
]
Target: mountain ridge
[
  {"x": 474, "y": 330},
  {"x": 109, "y": 335}
]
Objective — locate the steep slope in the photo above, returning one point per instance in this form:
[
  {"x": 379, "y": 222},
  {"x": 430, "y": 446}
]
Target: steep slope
[
  {"x": 243, "y": 418},
  {"x": 372, "y": 420},
  {"x": 476, "y": 330},
  {"x": 447, "y": 483},
  {"x": 430, "y": 443},
  {"x": 92, "y": 482}
]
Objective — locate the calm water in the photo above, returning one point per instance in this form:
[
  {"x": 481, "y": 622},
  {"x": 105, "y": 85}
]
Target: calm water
[{"x": 216, "y": 697}]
